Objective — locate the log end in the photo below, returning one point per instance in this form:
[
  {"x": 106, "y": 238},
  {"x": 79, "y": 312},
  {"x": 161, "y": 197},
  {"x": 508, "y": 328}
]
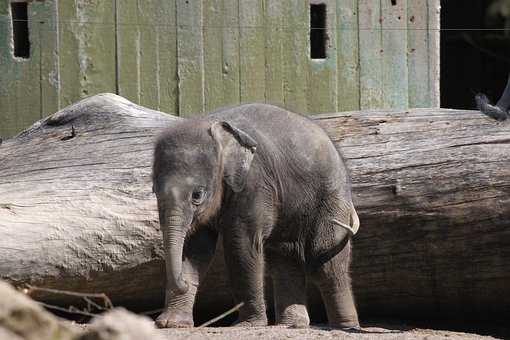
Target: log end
[
  {"x": 103, "y": 110},
  {"x": 86, "y": 107}
]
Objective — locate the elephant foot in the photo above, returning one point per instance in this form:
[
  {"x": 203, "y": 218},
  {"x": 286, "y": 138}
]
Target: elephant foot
[
  {"x": 251, "y": 322},
  {"x": 295, "y": 316},
  {"x": 350, "y": 325},
  {"x": 356, "y": 329},
  {"x": 174, "y": 319},
  {"x": 252, "y": 315},
  {"x": 295, "y": 323}
]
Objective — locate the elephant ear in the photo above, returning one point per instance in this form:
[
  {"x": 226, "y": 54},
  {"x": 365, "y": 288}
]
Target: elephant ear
[{"x": 237, "y": 149}]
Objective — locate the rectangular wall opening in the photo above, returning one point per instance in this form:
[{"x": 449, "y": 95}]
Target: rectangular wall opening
[
  {"x": 318, "y": 36},
  {"x": 20, "y": 36}
]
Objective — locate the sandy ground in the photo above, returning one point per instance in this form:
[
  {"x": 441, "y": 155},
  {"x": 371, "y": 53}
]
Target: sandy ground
[
  {"x": 376, "y": 330},
  {"x": 275, "y": 332}
]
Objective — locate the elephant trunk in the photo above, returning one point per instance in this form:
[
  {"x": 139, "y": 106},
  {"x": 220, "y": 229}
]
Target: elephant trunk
[{"x": 173, "y": 240}]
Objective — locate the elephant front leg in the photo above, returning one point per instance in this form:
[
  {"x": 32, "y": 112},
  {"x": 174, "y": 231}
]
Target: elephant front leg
[
  {"x": 245, "y": 264},
  {"x": 198, "y": 252},
  {"x": 178, "y": 311}
]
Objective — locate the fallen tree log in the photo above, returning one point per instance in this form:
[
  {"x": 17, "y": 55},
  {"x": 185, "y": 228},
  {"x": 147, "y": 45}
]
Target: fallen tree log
[{"x": 431, "y": 187}]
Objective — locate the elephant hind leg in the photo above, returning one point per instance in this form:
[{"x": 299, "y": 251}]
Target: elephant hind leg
[
  {"x": 333, "y": 281},
  {"x": 289, "y": 290}
]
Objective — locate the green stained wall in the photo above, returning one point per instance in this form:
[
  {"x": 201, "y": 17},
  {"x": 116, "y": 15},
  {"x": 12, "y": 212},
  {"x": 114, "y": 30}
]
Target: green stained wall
[{"x": 191, "y": 56}]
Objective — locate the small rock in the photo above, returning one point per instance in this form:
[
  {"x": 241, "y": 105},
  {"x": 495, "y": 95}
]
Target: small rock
[
  {"x": 120, "y": 324},
  {"x": 25, "y": 318},
  {"x": 8, "y": 335}
]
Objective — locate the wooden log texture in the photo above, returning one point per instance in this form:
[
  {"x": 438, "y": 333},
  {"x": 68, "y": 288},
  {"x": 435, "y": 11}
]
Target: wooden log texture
[{"x": 431, "y": 187}]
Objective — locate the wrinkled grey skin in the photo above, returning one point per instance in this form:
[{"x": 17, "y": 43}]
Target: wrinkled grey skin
[{"x": 272, "y": 184}]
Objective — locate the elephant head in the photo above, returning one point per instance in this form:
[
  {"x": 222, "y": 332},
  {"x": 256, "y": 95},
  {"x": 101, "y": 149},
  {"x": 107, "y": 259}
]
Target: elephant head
[{"x": 194, "y": 161}]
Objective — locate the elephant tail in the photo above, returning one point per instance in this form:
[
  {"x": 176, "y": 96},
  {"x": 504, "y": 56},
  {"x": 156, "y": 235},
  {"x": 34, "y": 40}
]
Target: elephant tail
[
  {"x": 354, "y": 221},
  {"x": 353, "y": 225}
]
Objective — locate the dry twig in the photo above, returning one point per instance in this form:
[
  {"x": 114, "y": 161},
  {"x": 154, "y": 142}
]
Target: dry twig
[{"x": 87, "y": 297}]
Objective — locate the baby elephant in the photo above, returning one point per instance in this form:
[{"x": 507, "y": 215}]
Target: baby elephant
[{"x": 273, "y": 185}]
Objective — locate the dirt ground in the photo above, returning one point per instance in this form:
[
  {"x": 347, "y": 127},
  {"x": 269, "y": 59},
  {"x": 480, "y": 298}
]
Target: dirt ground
[
  {"x": 384, "y": 332},
  {"x": 371, "y": 330}
]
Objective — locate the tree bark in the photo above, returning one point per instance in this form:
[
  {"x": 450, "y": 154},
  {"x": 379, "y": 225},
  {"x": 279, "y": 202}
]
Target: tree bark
[{"x": 431, "y": 187}]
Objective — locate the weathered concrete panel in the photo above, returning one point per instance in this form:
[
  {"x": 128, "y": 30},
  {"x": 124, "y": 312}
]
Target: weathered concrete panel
[
  {"x": 87, "y": 51},
  {"x": 296, "y": 55},
  {"x": 213, "y": 63},
  {"x": 348, "y": 55},
  {"x": 323, "y": 95},
  {"x": 370, "y": 54},
  {"x": 417, "y": 53},
  {"x": 394, "y": 54},
  {"x": 21, "y": 83},
  {"x": 274, "y": 36},
  {"x": 251, "y": 51},
  {"x": 190, "y": 57}
]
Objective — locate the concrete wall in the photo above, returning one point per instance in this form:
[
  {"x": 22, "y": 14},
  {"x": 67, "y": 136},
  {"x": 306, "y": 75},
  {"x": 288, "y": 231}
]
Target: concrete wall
[{"x": 191, "y": 56}]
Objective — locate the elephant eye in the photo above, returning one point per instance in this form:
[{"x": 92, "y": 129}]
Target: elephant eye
[{"x": 198, "y": 195}]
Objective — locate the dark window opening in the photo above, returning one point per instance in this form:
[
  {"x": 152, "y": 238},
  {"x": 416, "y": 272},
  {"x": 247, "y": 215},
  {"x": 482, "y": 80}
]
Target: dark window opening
[
  {"x": 475, "y": 50},
  {"x": 318, "y": 32},
  {"x": 19, "y": 15}
]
